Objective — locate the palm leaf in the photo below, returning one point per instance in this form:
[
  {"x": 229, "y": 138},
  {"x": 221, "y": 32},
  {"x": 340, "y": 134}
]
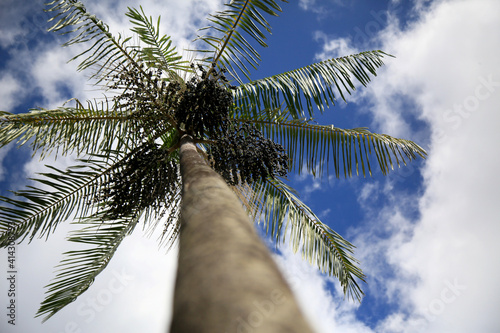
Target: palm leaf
[
  {"x": 76, "y": 192},
  {"x": 319, "y": 84},
  {"x": 113, "y": 58},
  {"x": 59, "y": 195},
  {"x": 80, "y": 267},
  {"x": 71, "y": 129},
  {"x": 347, "y": 150},
  {"x": 284, "y": 212},
  {"x": 105, "y": 231},
  {"x": 230, "y": 29},
  {"x": 159, "y": 52},
  {"x": 108, "y": 54}
]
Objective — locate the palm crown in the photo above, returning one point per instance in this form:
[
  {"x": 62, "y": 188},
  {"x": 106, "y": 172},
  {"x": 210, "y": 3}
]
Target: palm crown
[{"x": 127, "y": 144}]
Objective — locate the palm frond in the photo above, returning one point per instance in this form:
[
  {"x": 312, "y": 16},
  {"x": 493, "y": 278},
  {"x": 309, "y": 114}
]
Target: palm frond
[
  {"x": 107, "y": 54},
  {"x": 80, "y": 268},
  {"x": 346, "y": 150},
  {"x": 159, "y": 52},
  {"x": 319, "y": 84},
  {"x": 91, "y": 129},
  {"x": 105, "y": 231},
  {"x": 230, "y": 29},
  {"x": 283, "y": 212},
  {"x": 59, "y": 195}
]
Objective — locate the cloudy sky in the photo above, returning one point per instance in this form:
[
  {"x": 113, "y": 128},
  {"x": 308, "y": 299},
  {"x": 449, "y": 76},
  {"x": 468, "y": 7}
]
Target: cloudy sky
[{"x": 426, "y": 234}]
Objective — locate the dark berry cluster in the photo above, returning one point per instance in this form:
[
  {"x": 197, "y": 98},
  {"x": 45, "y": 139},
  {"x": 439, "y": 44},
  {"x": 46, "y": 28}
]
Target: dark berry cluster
[
  {"x": 245, "y": 155},
  {"x": 144, "y": 94},
  {"x": 203, "y": 107},
  {"x": 144, "y": 178},
  {"x": 141, "y": 88}
]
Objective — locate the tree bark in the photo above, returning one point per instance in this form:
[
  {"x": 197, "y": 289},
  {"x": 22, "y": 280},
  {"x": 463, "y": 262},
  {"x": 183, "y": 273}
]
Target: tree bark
[{"x": 226, "y": 280}]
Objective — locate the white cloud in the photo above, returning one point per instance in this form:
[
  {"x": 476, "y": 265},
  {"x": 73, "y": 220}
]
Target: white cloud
[
  {"x": 312, "y": 5},
  {"x": 449, "y": 69},
  {"x": 369, "y": 191},
  {"x": 306, "y": 4},
  {"x": 179, "y": 19},
  {"x": 333, "y": 48},
  {"x": 444, "y": 271},
  {"x": 312, "y": 184},
  {"x": 3, "y": 153},
  {"x": 56, "y": 79},
  {"x": 138, "y": 280},
  {"x": 324, "y": 213},
  {"x": 9, "y": 89}
]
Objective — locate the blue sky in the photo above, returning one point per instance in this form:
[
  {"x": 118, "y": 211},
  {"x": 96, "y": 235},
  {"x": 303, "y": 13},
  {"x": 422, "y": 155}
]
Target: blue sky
[{"x": 426, "y": 234}]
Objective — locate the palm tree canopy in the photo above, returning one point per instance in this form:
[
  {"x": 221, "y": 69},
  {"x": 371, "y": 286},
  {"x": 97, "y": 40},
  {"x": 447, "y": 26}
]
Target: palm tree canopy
[{"x": 127, "y": 144}]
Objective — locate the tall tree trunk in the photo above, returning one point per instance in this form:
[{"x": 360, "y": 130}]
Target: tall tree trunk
[{"x": 226, "y": 281}]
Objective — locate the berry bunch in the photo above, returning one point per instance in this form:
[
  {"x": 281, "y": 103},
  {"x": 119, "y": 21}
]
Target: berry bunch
[
  {"x": 245, "y": 155},
  {"x": 144, "y": 178},
  {"x": 204, "y": 105},
  {"x": 141, "y": 88},
  {"x": 143, "y": 94}
]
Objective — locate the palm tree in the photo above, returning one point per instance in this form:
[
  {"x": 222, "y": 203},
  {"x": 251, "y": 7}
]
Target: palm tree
[{"x": 233, "y": 140}]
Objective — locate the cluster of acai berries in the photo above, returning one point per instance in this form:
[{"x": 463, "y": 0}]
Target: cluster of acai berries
[{"x": 144, "y": 178}]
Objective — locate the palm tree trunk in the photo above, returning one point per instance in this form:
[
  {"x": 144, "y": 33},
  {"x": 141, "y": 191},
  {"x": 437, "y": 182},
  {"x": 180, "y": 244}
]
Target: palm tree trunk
[{"x": 226, "y": 279}]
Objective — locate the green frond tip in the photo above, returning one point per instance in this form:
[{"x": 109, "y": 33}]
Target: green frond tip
[
  {"x": 159, "y": 52},
  {"x": 284, "y": 214},
  {"x": 319, "y": 85},
  {"x": 79, "y": 269},
  {"x": 79, "y": 129},
  {"x": 58, "y": 197},
  {"x": 321, "y": 148},
  {"x": 226, "y": 37},
  {"x": 107, "y": 54}
]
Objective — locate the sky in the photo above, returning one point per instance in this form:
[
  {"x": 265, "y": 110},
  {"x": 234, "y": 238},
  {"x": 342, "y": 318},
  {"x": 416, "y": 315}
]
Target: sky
[{"x": 426, "y": 234}]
